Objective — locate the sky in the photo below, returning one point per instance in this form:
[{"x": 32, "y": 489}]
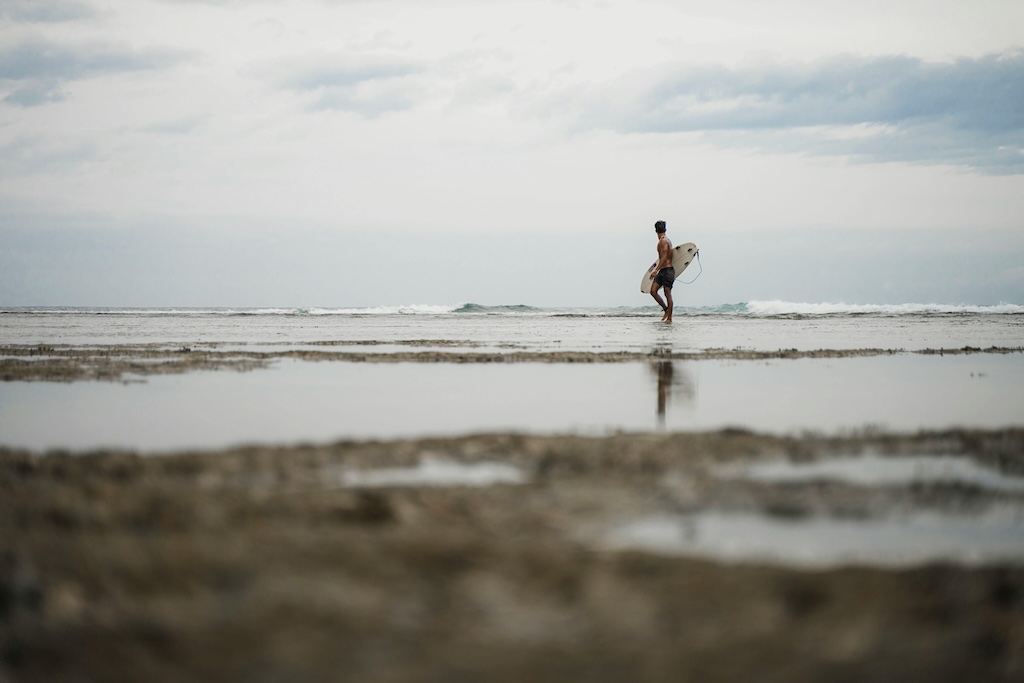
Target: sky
[{"x": 343, "y": 153}]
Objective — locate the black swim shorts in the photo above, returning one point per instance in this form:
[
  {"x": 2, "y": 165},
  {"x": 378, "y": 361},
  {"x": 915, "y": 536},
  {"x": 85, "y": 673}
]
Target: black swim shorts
[{"x": 665, "y": 277}]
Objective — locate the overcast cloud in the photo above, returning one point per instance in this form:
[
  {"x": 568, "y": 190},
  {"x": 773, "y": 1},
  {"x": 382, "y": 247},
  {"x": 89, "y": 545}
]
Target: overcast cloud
[
  {"x": 37, "y": 70},
  {"x": 967, "y": 112},
  {"x": 45, "y": 11},
  {"x": 274, "y": 128}
]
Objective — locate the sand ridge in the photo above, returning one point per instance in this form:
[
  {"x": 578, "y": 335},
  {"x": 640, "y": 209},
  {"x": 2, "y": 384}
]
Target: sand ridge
[{"x": 125, "y": 362}]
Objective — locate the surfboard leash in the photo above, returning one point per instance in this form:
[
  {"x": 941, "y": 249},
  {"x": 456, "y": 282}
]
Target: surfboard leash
[{"x": 697, "y": 255}]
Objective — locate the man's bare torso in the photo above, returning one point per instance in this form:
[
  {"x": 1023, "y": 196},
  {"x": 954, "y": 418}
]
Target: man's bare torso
[{"x": 664, "y": 253}]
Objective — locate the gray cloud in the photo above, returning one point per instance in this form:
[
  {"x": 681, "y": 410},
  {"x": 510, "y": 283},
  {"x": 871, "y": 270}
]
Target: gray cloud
[
  {"x": 182, "y": 126},
  {"x": 968, "y": 112},
  {"x": 223, "y": 3},
  {"x": 925, "y": 143},
  {"x": 368, "y": 87},
  {"x": 35, "y": 93},
  {"x": 48, "y": 11},
  {"x": 43, "y": 59},
  {"x": 37, "y": 155},
  {"x": 39, "y": 68},
  {"x": 344, "y": 75}
]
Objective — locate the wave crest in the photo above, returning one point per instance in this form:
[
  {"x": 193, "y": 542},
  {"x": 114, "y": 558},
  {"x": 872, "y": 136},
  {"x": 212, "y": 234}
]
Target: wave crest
[
  {"x": 777, "y": 308},
  {"x": 478, "y": 308}
]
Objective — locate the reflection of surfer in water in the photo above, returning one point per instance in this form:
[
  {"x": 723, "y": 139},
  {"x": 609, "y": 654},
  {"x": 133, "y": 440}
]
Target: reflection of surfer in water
[
  {"x": 666, "y": 274},
  {"x": 672, "y": 378},
  {"x": 665, "y": 371}
]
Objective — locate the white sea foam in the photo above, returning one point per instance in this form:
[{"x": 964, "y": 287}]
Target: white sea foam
[
  {"x": 769, "y": 308},
  {"x": 410, "y": 309},
  {"x": 752, "y": 309}
]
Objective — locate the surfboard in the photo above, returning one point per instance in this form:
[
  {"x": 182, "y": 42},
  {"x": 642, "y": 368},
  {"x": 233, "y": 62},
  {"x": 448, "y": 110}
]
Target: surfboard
[{"x": 682, "y": 254}]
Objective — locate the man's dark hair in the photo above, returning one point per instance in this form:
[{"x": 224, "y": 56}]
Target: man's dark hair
[{"x": 659, "y": 226}]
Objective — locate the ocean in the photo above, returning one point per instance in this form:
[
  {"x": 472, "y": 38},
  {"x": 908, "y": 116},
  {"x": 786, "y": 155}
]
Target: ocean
[
  {"x": 769, "y": 366},
  {"x": 759, "y": 325}
]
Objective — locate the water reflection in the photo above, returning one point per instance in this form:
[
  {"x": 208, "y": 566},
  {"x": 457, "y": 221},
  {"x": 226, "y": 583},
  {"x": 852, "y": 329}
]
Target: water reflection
[
  {"x": 672, "y": 382},
  {"x": 993, "y": 535}
]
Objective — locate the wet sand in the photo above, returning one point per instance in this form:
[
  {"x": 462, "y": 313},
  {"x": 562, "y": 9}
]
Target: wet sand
[
  {"x": 498, "y": 558},
  {"x": 117, "y": 362}
]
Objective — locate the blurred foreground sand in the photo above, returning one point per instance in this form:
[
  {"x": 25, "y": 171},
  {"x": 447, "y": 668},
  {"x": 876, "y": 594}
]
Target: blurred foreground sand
[{"x": 275, "y": 564}]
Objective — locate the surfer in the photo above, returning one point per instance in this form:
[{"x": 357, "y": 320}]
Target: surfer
[{"x": 666, "y": 274}]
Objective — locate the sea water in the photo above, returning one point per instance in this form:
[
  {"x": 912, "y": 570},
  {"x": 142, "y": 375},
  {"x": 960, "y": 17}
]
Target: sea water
[
  {"x": 302, "y": 401},
  {"x": 756, "y": 325}
]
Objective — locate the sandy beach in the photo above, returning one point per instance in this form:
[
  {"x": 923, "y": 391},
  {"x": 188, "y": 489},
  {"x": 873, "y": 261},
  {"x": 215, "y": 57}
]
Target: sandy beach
[{"x": 498, "y": 557}]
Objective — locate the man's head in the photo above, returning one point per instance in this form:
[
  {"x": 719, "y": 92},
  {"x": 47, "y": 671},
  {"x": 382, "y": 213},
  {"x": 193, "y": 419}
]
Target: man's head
[{"x": 659, "y": 227}]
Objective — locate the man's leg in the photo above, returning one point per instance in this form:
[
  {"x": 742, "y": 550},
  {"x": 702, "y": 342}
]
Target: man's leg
[
  {"x": 654, "y": 293},
  {"x": 668, "y": 304}
]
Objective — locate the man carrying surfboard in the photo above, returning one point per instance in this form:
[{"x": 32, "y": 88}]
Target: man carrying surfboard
[{"x": 666, "y": 274}]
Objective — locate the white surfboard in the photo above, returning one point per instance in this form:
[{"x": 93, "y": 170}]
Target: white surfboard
[{"x": 682, "y": 254}]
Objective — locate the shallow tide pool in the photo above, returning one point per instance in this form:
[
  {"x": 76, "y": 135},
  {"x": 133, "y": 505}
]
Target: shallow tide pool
[{"x": 301, "y": 401}]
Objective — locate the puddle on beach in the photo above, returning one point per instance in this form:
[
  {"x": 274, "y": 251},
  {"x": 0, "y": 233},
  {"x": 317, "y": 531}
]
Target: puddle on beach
[
  {"x": 294, "y": 401},
  {"x": 431, "y": 471},
  {"x": 872, "y": 469},
  {"x": 821, "y": 543}
]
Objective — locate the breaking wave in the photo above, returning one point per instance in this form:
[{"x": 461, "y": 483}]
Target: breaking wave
[
  {"x": 754, "y": 309},
  {"x": 781, "y": 308}
]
